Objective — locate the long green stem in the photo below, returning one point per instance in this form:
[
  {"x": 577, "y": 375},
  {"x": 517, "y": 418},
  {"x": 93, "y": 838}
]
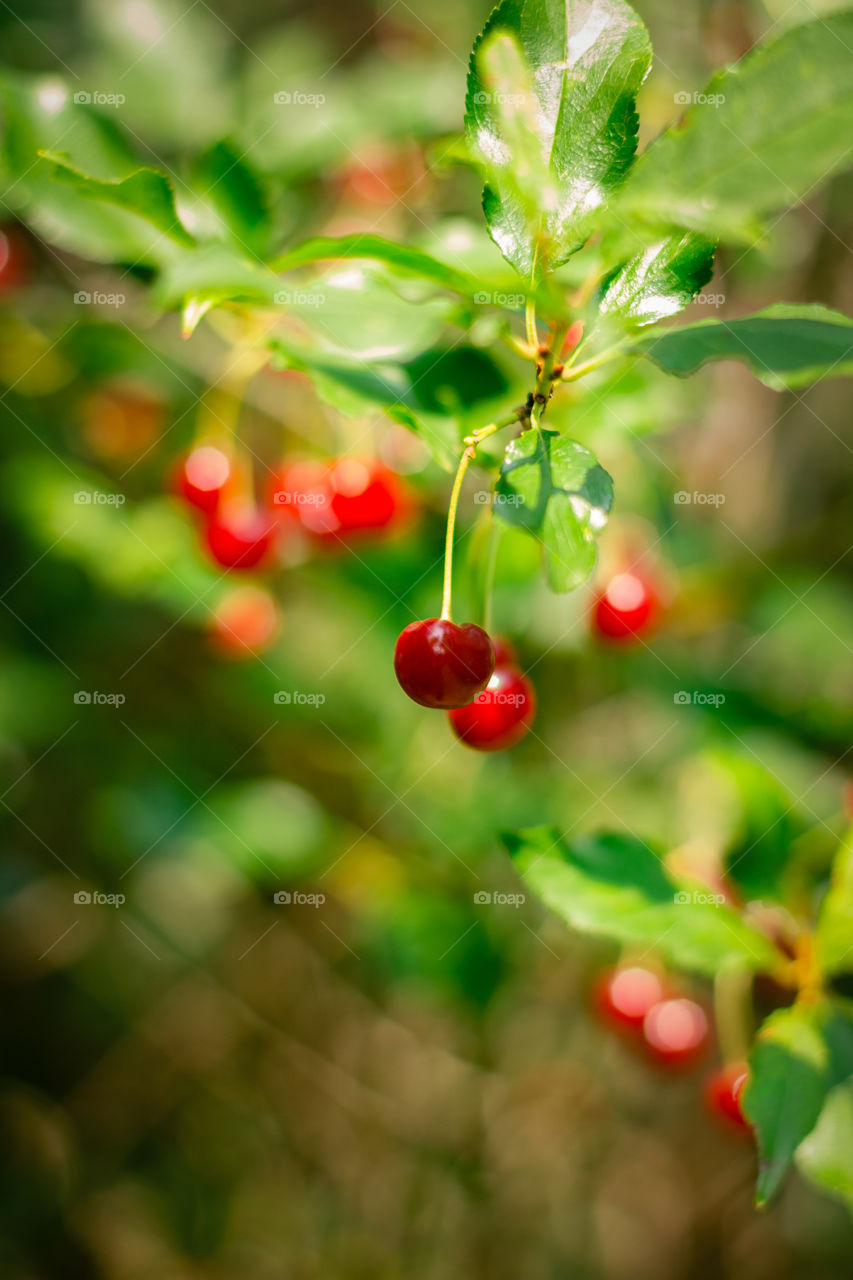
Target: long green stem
[{"x": 471, "y": 443}]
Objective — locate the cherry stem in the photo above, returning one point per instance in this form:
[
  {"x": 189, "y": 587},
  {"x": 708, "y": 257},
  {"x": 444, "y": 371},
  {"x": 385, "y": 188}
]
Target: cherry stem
[
  {"x": 733, "y": 1013},
  {"x": 471, "y": 442}
]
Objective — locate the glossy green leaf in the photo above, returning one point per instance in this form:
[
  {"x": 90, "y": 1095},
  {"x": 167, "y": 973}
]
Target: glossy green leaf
[
  {"x": 660, "y": 281},
  {"x": 555, "y": 489},
  {"x": 401, "y": 259},
  {"x": 551, "y": 118},
  {"x": 835, "y": 922},
  {"x": 759, "y": 138},
  {"x": 825, "y": 1157},
  {"x": 784, "y": 345},
  {"x": 617, "y": 886},
  {"x": 146, "y": 193}
]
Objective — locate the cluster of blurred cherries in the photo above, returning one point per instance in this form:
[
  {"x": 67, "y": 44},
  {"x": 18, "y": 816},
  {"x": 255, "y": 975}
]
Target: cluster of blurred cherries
[
  {"x": 330, "y": 503},
  {"x": 671, "y": 1029}
]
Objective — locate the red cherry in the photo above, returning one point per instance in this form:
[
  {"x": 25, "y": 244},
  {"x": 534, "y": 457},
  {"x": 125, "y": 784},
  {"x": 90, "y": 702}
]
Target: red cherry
[
  {"x": 302, "y": 491},
  {"x": 675, "y": 1031},
  {"x": 500, "y": 716},
  {"x": 723, "y": 1093},
  {"x": 238, "y": 536},
  {"x": 202, "y": 477},
  {"x": 14, "y": 259},
  {"x": 441, "y": 664},
  {"x": 245, "y": 622},
  {"x": 626, "y": 607},
  {"x": 366, "y": 495},
  {"x": 625, "y": 996}
]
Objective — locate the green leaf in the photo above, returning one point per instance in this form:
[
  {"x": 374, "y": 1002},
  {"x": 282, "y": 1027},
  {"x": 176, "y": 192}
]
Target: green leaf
[
  {"x": 825, "y": 1157},
  {"x": 617, "y": 886},
  {"x": 660, "y": 281},
  {"x": 401, "y": 259},
  {"x": 233, "y": 191},
  {"x": 761, "y": 136},
  {"x": 212, "y": 274},
  {"x": 555, "y": 489},
  {"x": 784, "y": 345},
  {"x": 359, "y": 388},
  {"x": 147, "y": 193},
  {"x": 358, "y": 313},
  {"x": 768, "y": 825},
  {"x": 789, "y": 1074},
  {"x": 551, "y": 118},
  {"x": 834, "y": 937}
]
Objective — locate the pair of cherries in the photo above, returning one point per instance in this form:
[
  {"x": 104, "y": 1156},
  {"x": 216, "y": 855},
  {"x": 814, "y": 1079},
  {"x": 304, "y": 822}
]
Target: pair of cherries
[
  {"x": 461, "y": 670},
  {"x": 674, "y": 1032}
]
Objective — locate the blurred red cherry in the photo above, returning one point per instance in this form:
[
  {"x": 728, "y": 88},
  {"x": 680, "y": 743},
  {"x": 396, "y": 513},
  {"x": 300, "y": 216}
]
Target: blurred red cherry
[
  {"x": 625, "y": 996},
  {"x": 14, "y": 259},
  {"x": 723, "y": 1093},
  {"x": 572, "y": 338},
  {"x": 675, "y": 1031},
  {"x": 238, "y": 535},
  {"x": 366, "y": 495},
  {"x": 202, "y": 477},
  {"x": 340, "y": 499},
  {"x": 500, "y": 716},
  {"x": 626, "y": 608},
  {"x": 245, "y": 622}
]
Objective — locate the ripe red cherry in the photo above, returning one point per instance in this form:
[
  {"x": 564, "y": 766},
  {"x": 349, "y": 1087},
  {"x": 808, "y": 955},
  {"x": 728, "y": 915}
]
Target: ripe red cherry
[
  {"x": 245, "y": 622},
  {"x": 202, "y": 477},
  {"x": 500, "y": 716},
  {"x": 238, "y": 536},
  {"x": 441, "y": 664},
  {"x": 723, "y": 1093},
  {"x": 625, "y": 996},
  {"x": 626, "y": 608},
  {"x": 365, "y": 495},
  {"x": 675, "y": 1031}
]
